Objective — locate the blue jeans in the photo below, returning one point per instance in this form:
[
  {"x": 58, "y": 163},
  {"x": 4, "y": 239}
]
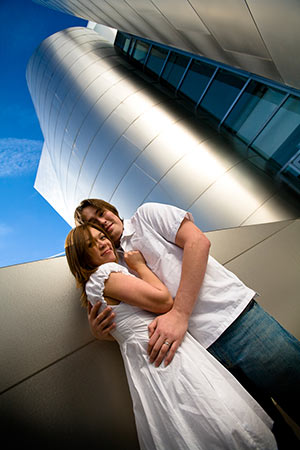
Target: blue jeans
[{"x": 264, "y": 357}]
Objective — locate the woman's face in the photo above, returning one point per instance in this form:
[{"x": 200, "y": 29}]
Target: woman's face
[{"x": 100, "y": 249}]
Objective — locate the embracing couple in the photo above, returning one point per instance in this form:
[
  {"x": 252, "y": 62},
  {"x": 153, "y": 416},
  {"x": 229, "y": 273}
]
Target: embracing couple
[{"x": 177, "y": 314}]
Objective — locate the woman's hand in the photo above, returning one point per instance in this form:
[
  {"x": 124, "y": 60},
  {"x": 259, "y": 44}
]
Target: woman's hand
[{"x": 134, "y": 259}]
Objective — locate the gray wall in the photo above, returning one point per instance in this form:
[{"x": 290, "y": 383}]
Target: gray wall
[{"x": 60, "y": 387}]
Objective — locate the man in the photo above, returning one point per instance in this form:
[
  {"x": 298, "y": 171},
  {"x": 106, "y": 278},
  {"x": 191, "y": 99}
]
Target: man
[{"x": 217, "y": 308}]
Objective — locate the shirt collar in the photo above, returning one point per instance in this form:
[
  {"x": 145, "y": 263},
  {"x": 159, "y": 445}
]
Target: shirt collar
[{"x": 128, "y": 229}]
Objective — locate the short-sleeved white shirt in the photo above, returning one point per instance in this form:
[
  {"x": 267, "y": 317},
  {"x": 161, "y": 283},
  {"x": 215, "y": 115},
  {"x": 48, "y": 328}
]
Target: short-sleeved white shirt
[{"x": 222, "y": 297}]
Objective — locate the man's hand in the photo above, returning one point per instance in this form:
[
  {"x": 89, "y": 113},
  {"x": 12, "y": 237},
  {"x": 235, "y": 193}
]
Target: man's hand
[
  {"x": 101, "y": 325},
  {"x": 166, "y": 333}
]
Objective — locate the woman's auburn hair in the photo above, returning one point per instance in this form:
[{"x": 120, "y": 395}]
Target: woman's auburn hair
[
  {"x": 78, "y": 256},
  {"x": 100, "y": 205}
]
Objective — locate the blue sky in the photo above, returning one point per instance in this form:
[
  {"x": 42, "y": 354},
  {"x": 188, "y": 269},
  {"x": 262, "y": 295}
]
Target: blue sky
[{"x": 30, "y": 229}]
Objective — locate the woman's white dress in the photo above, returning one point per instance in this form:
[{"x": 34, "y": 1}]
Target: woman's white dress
[{"x": 194, "y": 403}]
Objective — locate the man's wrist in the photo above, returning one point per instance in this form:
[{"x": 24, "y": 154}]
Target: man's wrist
[{"x": 180, "y": 311}]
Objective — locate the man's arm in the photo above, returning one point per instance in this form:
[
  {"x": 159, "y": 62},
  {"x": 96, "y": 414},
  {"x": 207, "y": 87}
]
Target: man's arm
[
  {"x": 101, "y": 324},
  {"x": 172, "y": 326}
]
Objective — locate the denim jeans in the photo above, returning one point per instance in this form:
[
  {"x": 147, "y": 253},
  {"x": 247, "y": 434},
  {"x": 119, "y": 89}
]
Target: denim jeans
[{"x": 264, "y": 357}]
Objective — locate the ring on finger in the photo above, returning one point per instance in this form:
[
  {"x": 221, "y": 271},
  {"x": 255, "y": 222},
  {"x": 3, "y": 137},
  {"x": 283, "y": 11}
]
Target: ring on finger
[{"x": 167, "y": 343}]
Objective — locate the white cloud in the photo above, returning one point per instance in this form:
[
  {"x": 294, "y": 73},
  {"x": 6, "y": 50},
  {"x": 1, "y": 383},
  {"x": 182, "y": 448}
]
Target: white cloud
[{"x": 19, "y": 156}]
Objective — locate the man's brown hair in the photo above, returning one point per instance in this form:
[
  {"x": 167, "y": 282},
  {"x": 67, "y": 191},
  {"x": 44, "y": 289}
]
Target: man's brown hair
[{"x": 97, "y": 203}]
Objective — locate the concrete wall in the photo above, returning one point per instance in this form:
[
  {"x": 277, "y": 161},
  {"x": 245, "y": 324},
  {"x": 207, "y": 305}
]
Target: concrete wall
[{"x": 61, "y": 387}]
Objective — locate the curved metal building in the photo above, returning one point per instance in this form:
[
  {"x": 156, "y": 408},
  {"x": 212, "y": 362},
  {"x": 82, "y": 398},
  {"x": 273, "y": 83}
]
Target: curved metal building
[
  {"x": 110, "y": 133},
  {"x": 256, "y": 36}
]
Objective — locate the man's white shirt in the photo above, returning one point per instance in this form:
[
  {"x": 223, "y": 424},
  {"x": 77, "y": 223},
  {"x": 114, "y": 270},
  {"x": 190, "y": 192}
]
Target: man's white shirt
[{"x": 152, "y": 230}]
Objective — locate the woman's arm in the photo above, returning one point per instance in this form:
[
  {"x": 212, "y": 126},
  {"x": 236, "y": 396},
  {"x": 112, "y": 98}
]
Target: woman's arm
[{"x": 146, "y": 292}]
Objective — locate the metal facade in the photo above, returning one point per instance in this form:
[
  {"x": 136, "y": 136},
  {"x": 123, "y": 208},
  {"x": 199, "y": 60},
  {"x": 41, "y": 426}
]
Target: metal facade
[
  {"x": 110, "y": 134},
  {"x": 261, "y": 37}
]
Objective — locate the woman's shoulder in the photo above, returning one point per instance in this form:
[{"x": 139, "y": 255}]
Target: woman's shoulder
[
  {"x": 106, "y": 269},
  {"x": 94, "y": 287}
]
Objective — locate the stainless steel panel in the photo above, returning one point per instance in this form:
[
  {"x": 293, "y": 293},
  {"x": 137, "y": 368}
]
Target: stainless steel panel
[
  {"x": 73, "y": 93},
  {"x": 181, "y": 15},
  {"x": 99, "y": 13},
  {"x": 229, "y": 244},
  {"x": 114, "y": 15},
  {"x": 232, "y": 198},
  {"x": 62, "y": 169},
  {"x": 263, "y": 67},
  {"x": 58, "y": 49},
  {"x": 246, "y": 35},
  {"x": 105, "y": 103},
  {"x": 278, "y": 24},
  {"x": 232, "y": 26},
  {"x": 202, "y": 167},
  {"x": 205, "y": 46},
  {"x": 43, "y": 305},
  {"x": 74, "y": 57},
  {"x": 159, "y": 195},
  {"x": 173, "y": 142},
  {"x": 73, "y": 170},
  {"x": 72, "y": 402},
  {"x": 149, "y": 125},
  {"x": 135, "y": 22},
  {"x": 277, "y": 208},
  {"x": 43, "y": 51},
  {"x": 101, "y": 145},
  {"x": 127, "y": 197},
  {"x": 113, "y": 126},
  {"x": 162, "y": 30},
  {"x": 114, "y": 168},
  {"x": 92, "y": 86},
  {"x": 94, "y": 158},
  {"x": 272, "y": 269},
  {"x": 48, "y": 185}
]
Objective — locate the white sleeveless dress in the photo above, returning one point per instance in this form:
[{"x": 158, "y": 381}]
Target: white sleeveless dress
[{"x": 192, "y": 404}]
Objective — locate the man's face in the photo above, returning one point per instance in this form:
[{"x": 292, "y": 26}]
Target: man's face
[{"x": 107, "y": 219}]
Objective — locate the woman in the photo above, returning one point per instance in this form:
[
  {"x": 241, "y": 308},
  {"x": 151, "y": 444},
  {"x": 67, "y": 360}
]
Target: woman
[{"x": 194, "y": 403}]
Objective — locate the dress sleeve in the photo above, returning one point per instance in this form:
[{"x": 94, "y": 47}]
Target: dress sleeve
[{"x": 95, "y": 286}]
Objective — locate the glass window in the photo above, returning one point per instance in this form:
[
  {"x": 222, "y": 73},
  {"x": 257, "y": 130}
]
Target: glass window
[
  {"x": 131, "y": 46},
  {"x": 119, "y": 40},
  {"x": 122, "y": 41},
  {"x": 126, "y": 45},
  {"x": 222, "y": 93},
  {"x": 252, "y": 110},
  {"x": 140, "y": 51},
  {"x": 156, "y": 59},
  {"x": 174, "y": 69},
  {"x": 196, "y": 80},
  {"x": 282, "y": 125}
]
